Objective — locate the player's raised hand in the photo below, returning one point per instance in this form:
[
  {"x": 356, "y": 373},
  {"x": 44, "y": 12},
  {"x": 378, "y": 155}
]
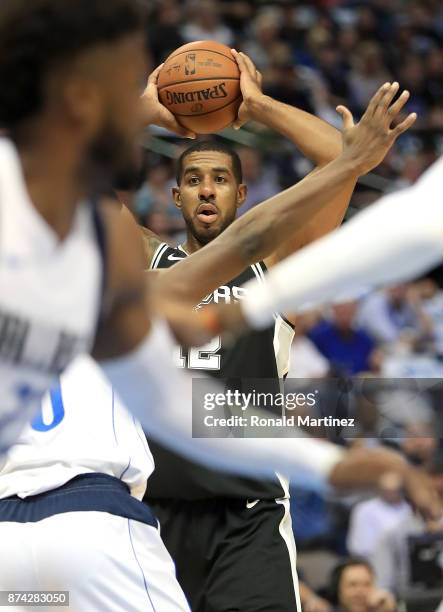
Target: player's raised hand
[
  {"x": 155, "y": 113},
  {"x": 368, "y": 142},
  {"x": 251, "y": 88}
]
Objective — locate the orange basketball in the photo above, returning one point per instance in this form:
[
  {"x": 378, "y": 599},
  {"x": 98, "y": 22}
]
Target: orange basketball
[{"x": 200, "y": 84}]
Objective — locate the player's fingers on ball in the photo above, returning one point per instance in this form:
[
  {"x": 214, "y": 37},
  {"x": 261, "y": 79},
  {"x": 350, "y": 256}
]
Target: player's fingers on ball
[
  {"x": 404, "y": 125},
  {"x": 181, "y": 131},
  {"x": 239, "y": 59},
  {"x": 375, "y": 100},
  {"x": 153, "y": 77},
  {"x": 346, "y": 115},
  {"x": 249, "y": 64},
  {"x": 395, "y": 108}
]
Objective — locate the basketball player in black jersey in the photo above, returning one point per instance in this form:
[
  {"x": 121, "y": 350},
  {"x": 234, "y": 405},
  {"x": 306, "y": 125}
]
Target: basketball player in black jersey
[{"x": 231, "y": 537}]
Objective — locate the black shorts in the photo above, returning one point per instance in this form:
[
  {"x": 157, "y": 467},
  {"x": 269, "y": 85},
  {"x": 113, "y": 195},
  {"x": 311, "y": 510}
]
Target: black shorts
[{"x": 230, "y": 557}]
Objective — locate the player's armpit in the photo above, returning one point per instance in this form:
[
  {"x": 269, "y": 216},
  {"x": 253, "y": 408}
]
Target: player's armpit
[{"x": 151, "y": 242}]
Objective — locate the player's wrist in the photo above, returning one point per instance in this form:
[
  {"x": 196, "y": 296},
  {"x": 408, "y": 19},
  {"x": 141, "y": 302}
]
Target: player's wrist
[
  {"x": 258, "y": 106},
  {"x": 350, "y": 162}
]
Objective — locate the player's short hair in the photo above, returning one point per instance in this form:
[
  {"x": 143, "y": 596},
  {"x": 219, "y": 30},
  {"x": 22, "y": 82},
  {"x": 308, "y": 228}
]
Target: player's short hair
[
  {"x": 38, "y": 35},
  {"x": 211, "y": 145},
  {"x": 337, "y": 574}
]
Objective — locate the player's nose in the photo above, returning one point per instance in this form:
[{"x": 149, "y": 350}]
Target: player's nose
[{"x": 206, "y": 190}]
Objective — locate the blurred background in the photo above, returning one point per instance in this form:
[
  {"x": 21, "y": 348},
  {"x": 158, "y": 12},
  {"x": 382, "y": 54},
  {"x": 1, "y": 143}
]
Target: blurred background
[{"x": 316, "y": 55}]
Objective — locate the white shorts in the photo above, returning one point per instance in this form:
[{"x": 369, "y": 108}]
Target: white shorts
[{"x": 107, "y": 563}]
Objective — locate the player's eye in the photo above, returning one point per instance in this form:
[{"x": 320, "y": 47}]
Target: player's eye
[
  {"x": 194, "y": 180},
  {"x": 220, "y": 179}
]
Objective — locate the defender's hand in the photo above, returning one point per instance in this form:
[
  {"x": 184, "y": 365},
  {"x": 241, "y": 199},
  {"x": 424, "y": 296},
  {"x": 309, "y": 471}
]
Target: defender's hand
[
  {"x": 421, "y": 492},
  {"x": 367, "y": 143},
  {"x": 155, "y": 113},
  {"x": 316, "y": 604},
  {"x": 381, "y": 601},
  {"x": 251, "y": 88}
]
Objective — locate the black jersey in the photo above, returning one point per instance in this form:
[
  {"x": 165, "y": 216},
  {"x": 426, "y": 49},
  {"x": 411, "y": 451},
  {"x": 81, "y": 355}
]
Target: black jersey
[{"x": 256, "y": 355}]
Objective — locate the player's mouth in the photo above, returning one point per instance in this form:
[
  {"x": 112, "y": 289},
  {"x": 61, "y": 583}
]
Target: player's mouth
[{"x": 207, "y": 213}]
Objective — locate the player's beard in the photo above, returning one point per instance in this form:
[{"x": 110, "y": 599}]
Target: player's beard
[
  {"x": 112, "y": 162},
  {"x": 204, "y": 236}
]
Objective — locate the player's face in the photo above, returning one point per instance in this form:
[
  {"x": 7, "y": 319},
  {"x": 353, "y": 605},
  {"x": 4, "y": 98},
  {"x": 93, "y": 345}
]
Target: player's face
[
  {"x": 356, "y": 585},
  {"x": 209, "y": 194},
  {"x": 113, "y": 149}
]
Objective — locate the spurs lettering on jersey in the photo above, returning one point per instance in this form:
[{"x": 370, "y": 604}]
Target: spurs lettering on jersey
[{"x": 224, "y": 294}]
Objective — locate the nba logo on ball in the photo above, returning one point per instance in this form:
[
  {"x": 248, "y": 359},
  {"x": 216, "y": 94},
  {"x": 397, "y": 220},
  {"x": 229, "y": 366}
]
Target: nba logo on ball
[
  {"x": 200, "y": 84},
  {"x": 190, "y": 64}
]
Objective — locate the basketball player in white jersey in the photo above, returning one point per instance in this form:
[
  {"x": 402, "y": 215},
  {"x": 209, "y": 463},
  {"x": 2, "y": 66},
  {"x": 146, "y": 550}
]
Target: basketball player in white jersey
[
  {"x": 72, "y": 111},
  {"x": 250, "y": 457}
]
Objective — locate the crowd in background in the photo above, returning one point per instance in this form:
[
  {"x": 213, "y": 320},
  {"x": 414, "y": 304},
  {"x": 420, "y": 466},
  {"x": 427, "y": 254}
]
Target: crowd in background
[{"x": 316, "y": 55}]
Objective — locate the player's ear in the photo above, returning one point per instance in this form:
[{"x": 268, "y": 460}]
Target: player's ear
[
  {"x": 242, "y": 193},
  {"x": 176, "y": 196}
]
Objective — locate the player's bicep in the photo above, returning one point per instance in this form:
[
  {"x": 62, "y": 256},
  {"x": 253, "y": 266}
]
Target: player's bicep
[
  {"x": 125, "y": 327},
  {"x": 125, "y": 320}
]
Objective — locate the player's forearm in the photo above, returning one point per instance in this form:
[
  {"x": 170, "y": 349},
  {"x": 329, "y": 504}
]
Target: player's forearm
[
  {"x": 317, "y": 140},
  {"x": 397, "y": 238}
]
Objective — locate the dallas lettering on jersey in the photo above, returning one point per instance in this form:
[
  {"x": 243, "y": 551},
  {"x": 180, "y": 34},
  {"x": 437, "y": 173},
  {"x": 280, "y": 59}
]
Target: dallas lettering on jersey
[
  {"x": 38, "y": 346},
  {"x": 209, "y": 93}
]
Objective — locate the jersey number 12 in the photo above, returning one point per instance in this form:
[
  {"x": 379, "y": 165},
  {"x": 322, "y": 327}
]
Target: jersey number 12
[{"x": 202, "y": 358}]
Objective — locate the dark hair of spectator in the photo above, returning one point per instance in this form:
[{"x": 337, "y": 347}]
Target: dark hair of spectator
[
  {"x": 436, "y": 465},
  {"x": 211, "y": 145},
  {"x": 337, "y": 573},
  {"x": 37, "y": 36}
]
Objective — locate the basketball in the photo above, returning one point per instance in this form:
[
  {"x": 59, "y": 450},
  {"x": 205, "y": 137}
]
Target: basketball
[{"x": 200, "y": 84}]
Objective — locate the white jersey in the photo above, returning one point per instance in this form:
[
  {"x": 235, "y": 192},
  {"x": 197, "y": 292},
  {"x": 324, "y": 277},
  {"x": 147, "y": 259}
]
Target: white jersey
[
  {"x": 50, "y": 295},
  {"x": 80, "y": 428}
]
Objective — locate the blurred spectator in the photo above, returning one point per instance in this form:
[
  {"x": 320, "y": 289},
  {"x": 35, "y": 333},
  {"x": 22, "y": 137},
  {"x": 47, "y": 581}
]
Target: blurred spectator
[
  {"x": 348, "y": 347},
  {"x": 310, "y": 601},
  {"x": 154, "y": 204},
  {"x": 264, "y": 32},
  {"x": 164, "y": 30},
  {"x": 395, "y": 315},
  {"x": 367, "y": 74},
  {"x": 260, "y": 179},
  {"x": 353, "y": 589},
  {"x": 205, "y": 23},
  {"x": 432, "y": 297},
  {"x": 370, "y": 519},
  {"x": 392, "y": 559}
]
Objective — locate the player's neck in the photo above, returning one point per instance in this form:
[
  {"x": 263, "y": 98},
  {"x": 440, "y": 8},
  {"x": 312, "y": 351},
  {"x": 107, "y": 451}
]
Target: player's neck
[
  {"x": 52, "y": 182},
  {"x": 191, "y": 245}
]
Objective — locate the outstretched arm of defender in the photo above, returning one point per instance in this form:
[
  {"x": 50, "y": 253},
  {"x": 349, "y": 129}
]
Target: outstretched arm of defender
[
  {"x": 253, "y": 236},
  {"x": 397, "y": 238}
]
